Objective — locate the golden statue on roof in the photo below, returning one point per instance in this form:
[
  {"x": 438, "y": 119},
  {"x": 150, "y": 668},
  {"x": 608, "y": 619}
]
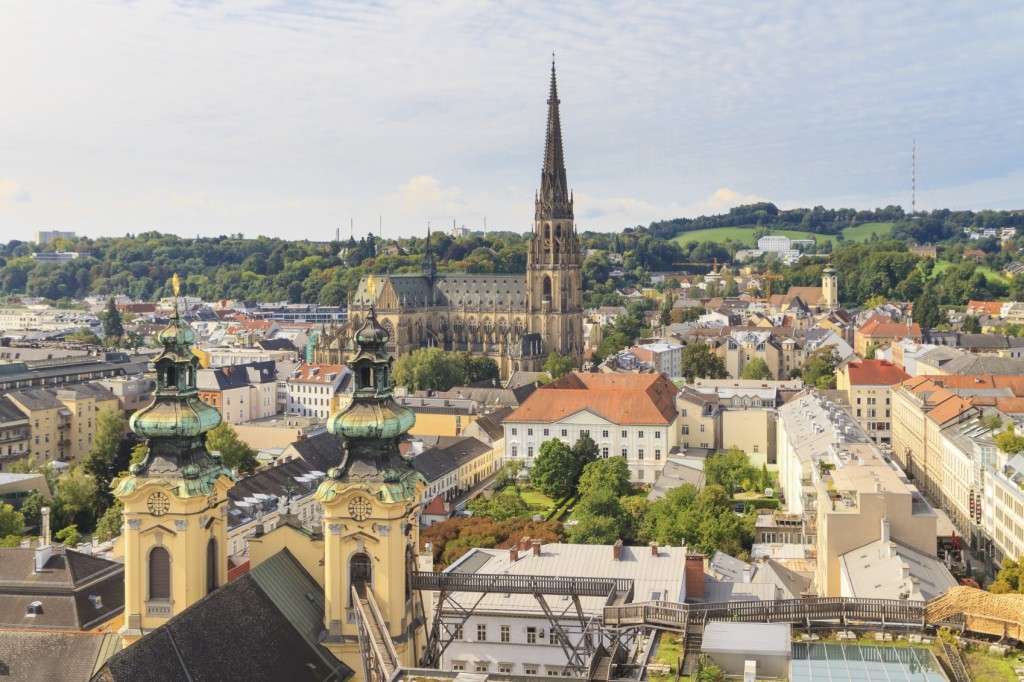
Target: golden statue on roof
[
  {"x": 176, "y": 283},
  {"x": 371, "y": 287}
]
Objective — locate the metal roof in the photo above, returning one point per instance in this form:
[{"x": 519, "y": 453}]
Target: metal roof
[{"x": 754, "y": 639}]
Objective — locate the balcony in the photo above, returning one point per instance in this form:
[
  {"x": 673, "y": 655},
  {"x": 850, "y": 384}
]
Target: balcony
[{"x": 14, "y": 437}]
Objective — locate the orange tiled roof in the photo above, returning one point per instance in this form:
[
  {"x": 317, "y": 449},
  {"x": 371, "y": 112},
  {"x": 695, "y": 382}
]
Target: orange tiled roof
[
  {"x": 1013, "y": 382},
  {"x": 990, "y": 308},
  {"x": 619, "y": 398},
  {"x": 879, "y": 325},
  {"x": 875, "y": 373},
  {"x": 307, "y": 373}
]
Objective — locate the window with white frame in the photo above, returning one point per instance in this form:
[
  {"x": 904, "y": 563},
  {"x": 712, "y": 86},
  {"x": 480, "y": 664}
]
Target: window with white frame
[
  {"x": 481, "y": 632},
  {"x": 505, "y": 633}
]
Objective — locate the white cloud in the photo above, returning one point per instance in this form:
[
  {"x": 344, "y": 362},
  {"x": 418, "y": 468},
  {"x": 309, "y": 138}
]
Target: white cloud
[
  {"x": 320, "y": 110},
  {"x": 12, "y": 191}
]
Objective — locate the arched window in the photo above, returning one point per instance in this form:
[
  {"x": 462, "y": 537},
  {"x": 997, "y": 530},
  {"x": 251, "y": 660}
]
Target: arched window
[
  {"x": 211, "y": 565},
  {"x": 159, "y": 574},
  {"x": 360, "y": 571},
  {"x": 547, "y": 287},
  {"x": 171, "y": 377}
]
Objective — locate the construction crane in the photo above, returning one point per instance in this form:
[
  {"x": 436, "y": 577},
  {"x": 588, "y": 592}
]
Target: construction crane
[
  {"x": 768, "y": 284},
  {"x": 714, "y": 265}
]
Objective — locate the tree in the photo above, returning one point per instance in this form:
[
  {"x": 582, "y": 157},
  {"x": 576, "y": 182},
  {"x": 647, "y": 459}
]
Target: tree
[
  {"x": 111, "y": 521},
  {"x": 819, "y": 369},
  {"x": 584, "y": 450},
  {"x": 75, "y": 500},
  {"x": 509, "y": 474},
  {"x": 112, "y": 325},
  {"x": 699, "y": 361},
  {"x": 83, "y": 335},
  {"x": 601, "y": 519},
  {"x": 102, "y": 460},
  {"x": 235, "y": 453},
  {"x": 505, "y": 505},
  {"x": 554, "y": 471},
  {"x": 558, "y": 365},
  {"x": 926, "y": 310},
  {"x": 12, "y": 522},
  {"x": 971, "y": 325},
  {"x": 611, "y": 473},
  {"x": 1009, "y": 442},
  {"x": 756, "y": 369},
  {"x": 730, "y": 469},
  {"x": 435, "y": 370},
  {"x": 69, "y": 535}
]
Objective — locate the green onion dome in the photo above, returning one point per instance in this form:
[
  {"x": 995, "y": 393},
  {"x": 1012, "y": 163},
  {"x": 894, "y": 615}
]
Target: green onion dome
[
  {"x": 173, "y": 416},
  {"x": 372, "y": 420}
]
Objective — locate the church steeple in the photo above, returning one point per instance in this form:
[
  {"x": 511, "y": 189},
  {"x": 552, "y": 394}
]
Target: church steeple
[
  {"x": 429, "y": 264},
  {"x": 554, "y": 200},
  {"x": 175, "y": 500}
]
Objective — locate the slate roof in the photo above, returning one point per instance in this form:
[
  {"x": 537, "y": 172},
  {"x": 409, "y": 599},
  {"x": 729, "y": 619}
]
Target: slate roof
[
  {"x": 36, "y": 398},
  {"x": 275, "y": 344},
  {"x": 31, "y": 656},
  {"x": 9, "y": 411},
  {"x": 497, "y": 292},
  {"x": 321, "y": 451},
  {"x": 64, "y": 587},
  {"x": 262, "y": 626},
  {"x": 435, "y": 462},
  {"x": 262, "y": 490},
  {"x": 236, "y": 376}
]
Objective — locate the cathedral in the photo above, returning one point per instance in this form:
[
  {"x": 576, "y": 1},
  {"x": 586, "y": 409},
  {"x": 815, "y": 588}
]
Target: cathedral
[{"x": 516, "y": 319}]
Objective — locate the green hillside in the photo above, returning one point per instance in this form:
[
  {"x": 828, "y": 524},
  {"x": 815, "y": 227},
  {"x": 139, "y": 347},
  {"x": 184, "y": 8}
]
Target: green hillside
[{"x": 745, "y": 234}]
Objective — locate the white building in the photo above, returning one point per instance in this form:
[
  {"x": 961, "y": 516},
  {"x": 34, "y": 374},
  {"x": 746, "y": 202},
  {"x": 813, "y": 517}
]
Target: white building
[
  {"x": 312, "y": 387},
  {"x": 510, "y": 634},
  {"x": 627, "y": 415},
  {"x": 774, "y": 243}
]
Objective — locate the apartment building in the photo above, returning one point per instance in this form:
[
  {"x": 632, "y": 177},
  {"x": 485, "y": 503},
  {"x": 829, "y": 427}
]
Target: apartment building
[
  {"x": 880, "y": 329},
  {"x": 311, "y": 388},
  {"x": 830, "y": 469},
  {"x": 867, "y": 384},
  {"x": 628, "y": 415},
  {"x": 62, "y": 422},
  {"x": 133, "y": 392},
  {"x": 15, "y": 434},
  {"x": 241, "y": 393},
  {"x": 733, "y": 413}
]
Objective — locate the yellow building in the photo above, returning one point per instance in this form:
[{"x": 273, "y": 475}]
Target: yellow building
[
  {"x": 63, "y": 421},
  {"x": 175, "y": 501}
]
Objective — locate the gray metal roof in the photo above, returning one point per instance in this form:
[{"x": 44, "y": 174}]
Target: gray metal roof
[{"x": 755, "y": 639}]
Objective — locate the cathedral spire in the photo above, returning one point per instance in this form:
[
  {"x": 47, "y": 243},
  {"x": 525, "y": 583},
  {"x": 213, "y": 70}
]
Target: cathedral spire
[
  {"x": 429, "y": 264},
  {"x": 554, "y": 200}
]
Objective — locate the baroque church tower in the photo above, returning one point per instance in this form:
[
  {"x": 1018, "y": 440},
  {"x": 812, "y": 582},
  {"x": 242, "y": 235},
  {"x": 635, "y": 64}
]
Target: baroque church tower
[
  {"x": 371, "y": 504},
  {"x": 175, "y": 501},
  {"x": 554, "y": 261}
]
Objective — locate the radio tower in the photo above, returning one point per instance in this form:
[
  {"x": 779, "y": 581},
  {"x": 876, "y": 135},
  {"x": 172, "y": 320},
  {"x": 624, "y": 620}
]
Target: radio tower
[{"x": 913, "y": 177}]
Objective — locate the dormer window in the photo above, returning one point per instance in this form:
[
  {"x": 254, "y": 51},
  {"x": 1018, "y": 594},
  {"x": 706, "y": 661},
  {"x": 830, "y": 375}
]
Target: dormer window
[{"x": 34, "y": 609}]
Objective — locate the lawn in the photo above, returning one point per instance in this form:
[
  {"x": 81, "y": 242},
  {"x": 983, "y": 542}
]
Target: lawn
[
  {"x": 745, "y": 234},
  {"x": 984, "y": 666},
  {"x": 863, "y": 232},
  {"x": 943, "y": 265},
  {"x": 537, "y": 500},
  {"x": 669, "y": 650}
]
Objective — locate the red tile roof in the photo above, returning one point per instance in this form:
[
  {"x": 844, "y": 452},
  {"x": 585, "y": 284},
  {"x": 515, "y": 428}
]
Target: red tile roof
[
  {"x": 882, "y": 326},
  {"x": 307, "y": 373},
  {"x": 619, "y": 398},
  {"x": 990, "y": 308},
  {"x": 875, "y": 373}
]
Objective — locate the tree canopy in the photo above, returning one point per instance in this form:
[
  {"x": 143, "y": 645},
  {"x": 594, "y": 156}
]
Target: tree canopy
[
  {"x": 731, "y": 469},
  {"x": 235, "y": 453},
  {"x": 699, "y": 361},
  {"x": 434, "y": 369},
  {"x": 756, "y": 369},
  {"x": 555, "y": 470},
  {"x": 558, "y": 365},
  {"x": 819, "y": 369}
]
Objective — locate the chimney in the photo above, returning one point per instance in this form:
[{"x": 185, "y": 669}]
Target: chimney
[
  {"x": 617, "y": 550},
  {"x": 654, "y": 549},
  {"x": 524, "y": 544},
  {"x": 904, "y": 570},
  {"x": 513, "y": 555},
  {"x": 885, "y": 530},
  {"x": 45, "y": 511},
  {"x": 694, "y": 576},
  {"x": 748, "y": 573},
  {"x": 536, "y": 548}
]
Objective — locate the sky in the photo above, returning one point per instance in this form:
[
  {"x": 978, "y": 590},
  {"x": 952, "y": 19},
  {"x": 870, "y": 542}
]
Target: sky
[{"x": 295, "y": 119}]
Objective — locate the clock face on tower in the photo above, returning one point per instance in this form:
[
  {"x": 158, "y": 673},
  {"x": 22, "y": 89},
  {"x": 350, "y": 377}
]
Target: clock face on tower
[
  {"x": 359, "y": 508},
  {"x": 158, "y": 504}
]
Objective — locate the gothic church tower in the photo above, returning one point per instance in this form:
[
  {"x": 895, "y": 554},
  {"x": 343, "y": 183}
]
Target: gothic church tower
[
  {"x": 175, "y": 501},
  {"x": 554, "y": 261}
]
